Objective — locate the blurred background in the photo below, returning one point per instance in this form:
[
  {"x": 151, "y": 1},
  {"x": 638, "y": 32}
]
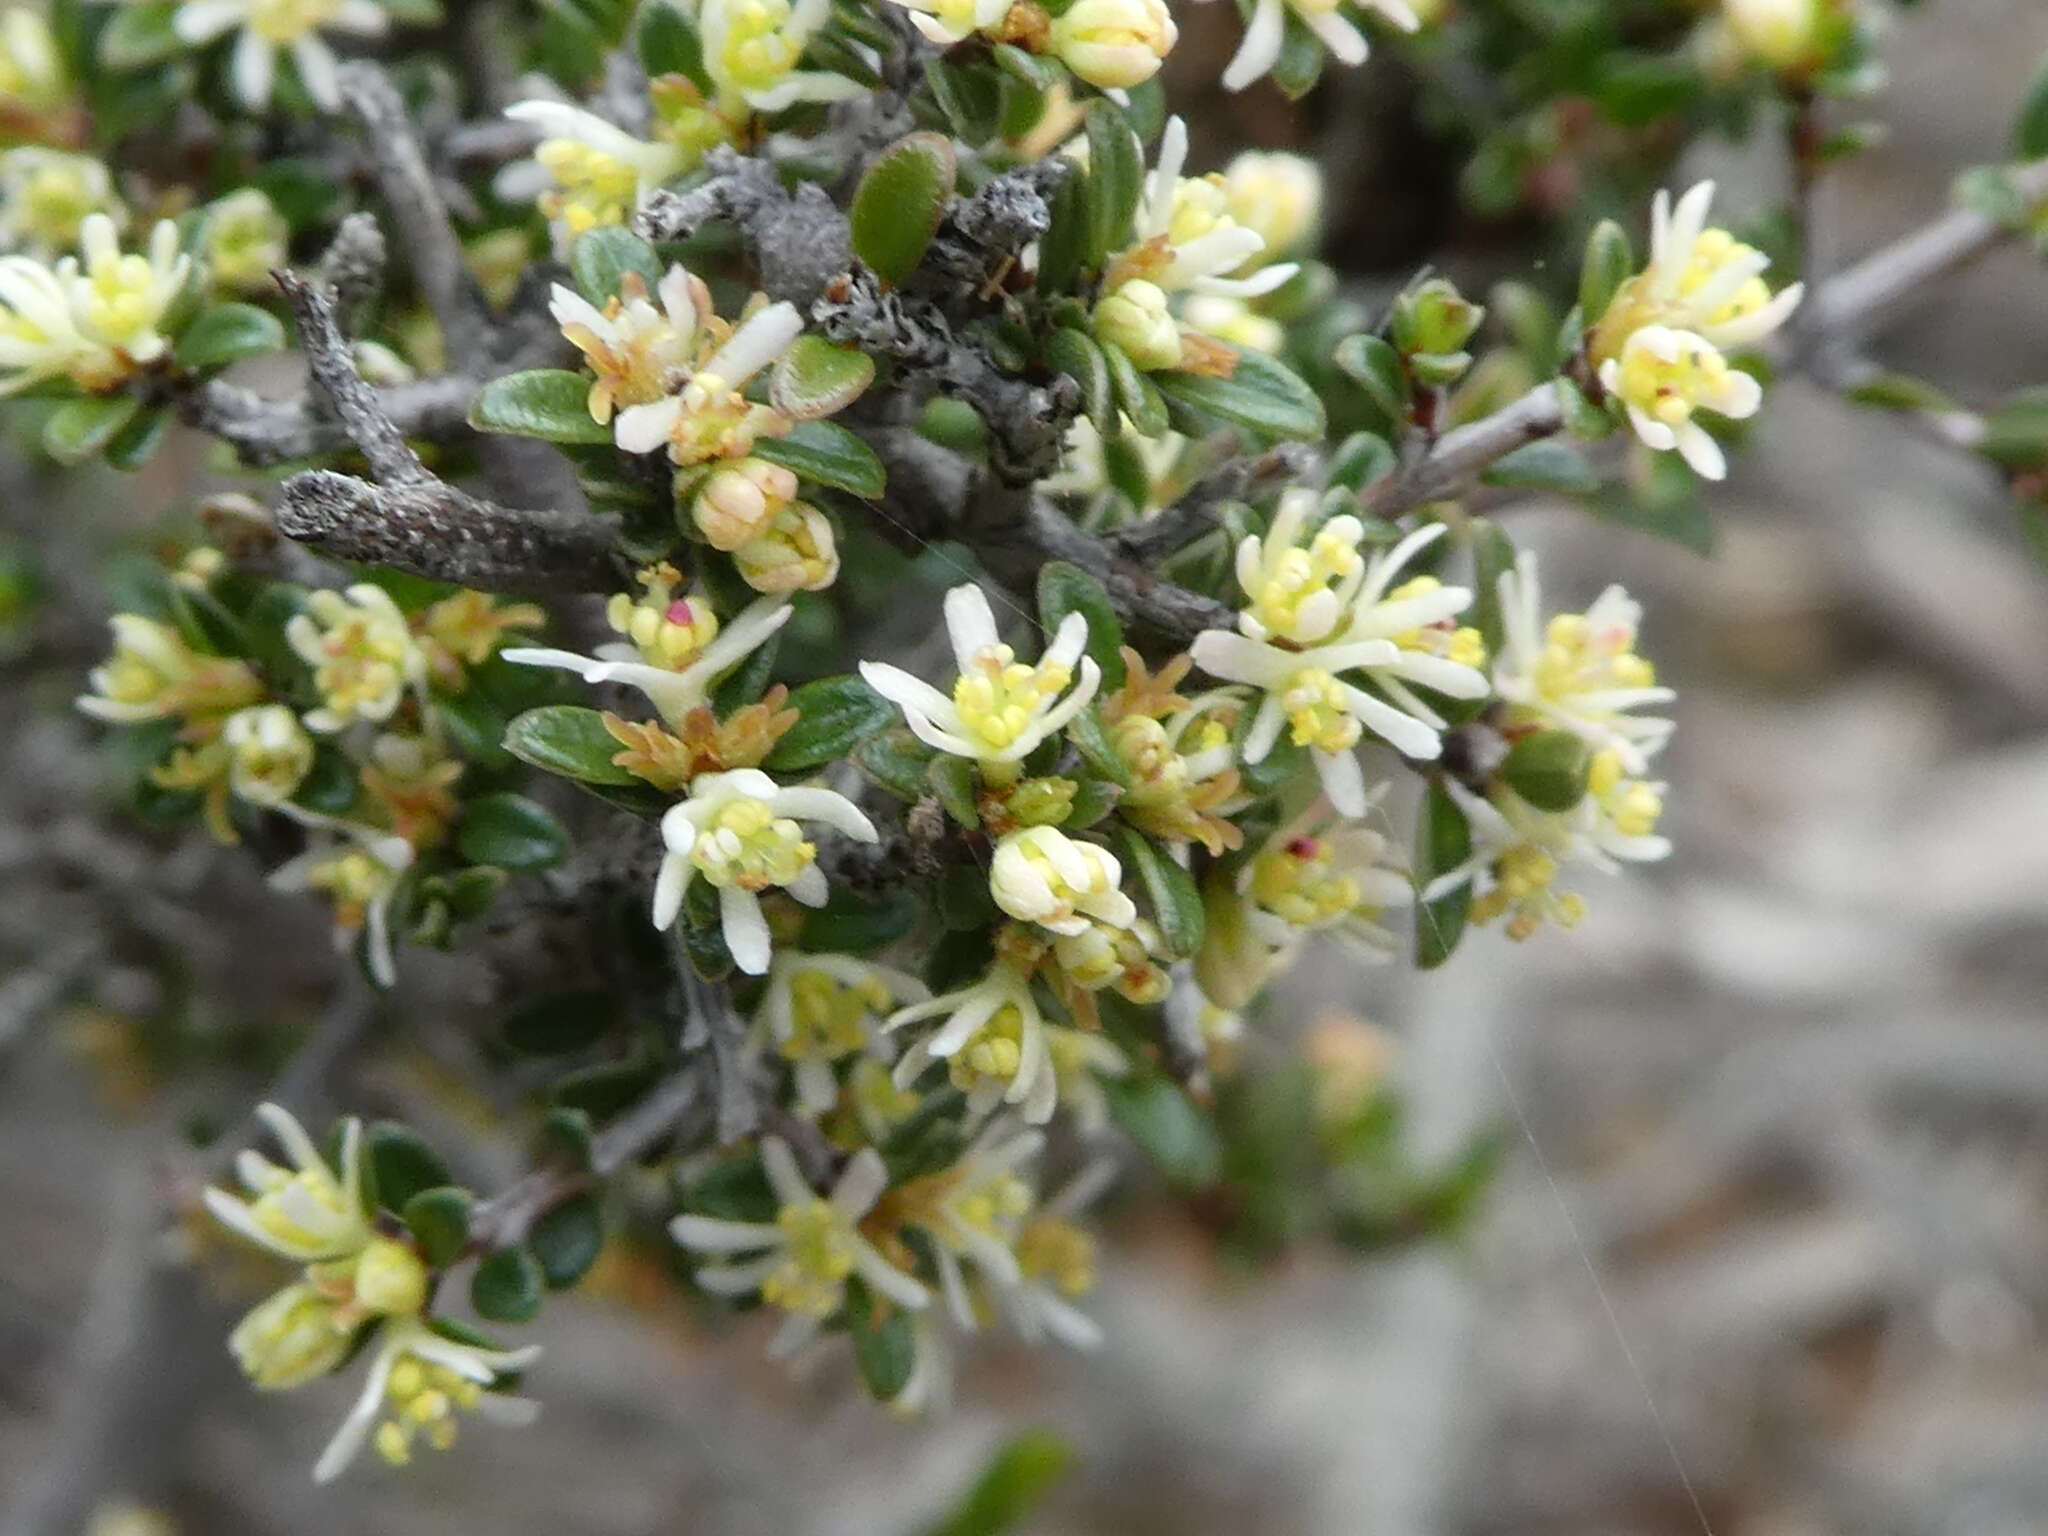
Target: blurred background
[{"x": 1767, "y": 1251}]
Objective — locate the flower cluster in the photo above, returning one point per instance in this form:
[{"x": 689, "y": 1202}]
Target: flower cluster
[{"x": 358, "y": 1291}]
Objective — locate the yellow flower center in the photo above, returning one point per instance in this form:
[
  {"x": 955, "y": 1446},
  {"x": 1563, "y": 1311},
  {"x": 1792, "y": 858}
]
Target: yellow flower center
[
  {"x": 591, "y": 187},
  {"x": 1299, "y": 882},
  {"x": 818, "y": 1255},
  {"x": 422, "y": 1400},
  {"x": 992, "y": 1053},
  {"x": 829, "y": 1017},
  {"x": 757, "y": 52},
  {"x": 667, "y": 630},
  {"x": 1300, "y": 574},
  {"x": 1579, "y": 659},
  {"x": 1318, "y": 712},
  {"x": 998, "y": 696},
  {"x": 1058, "y": 1253},
  {"x": 1461, "y": 644},
  {"x": 749, "y": 846},
  {"x": 286, "y": 21}
]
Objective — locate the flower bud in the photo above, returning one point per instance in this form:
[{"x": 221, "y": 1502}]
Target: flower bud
[
  {"x": 1135, "y": 318},
  {"x": 1778, "y": 34},
  {"x": 1435, "y": 318},
  {"x": 1043, "y": 876},
  {"x": 1114, "y": 44},
  {"x": 292, "y": 1338},
  {"x": 1278, "y": 195},
  {"x": 245, "y": 241},
  {"x": 1548, "y": 769},
  {"x": 798, "y": 553},
  {"x": 390, "y": 1278},
  {"x": 738, "y": 501},
  {"x": 269, "y": 753}
]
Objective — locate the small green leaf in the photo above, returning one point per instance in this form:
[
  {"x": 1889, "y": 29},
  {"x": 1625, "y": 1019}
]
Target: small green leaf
[
  {"x": 2030, "y": 132},
  {"x": 1301, "y": 59},
  {"x": 135, "y": 444},
  {"x": 1548, "y": 769},
  {"x": 1116, "y": 178},
  {"x": 896, "y": 760},
  {"x": 570, "y": 740},
  {"x": 400, "y": 1165},
  {"x": 825, "y": 453},
  {"x": 506, "y": 1287},
  {"x": 1014, "y": 1483},
  {"x": 81, "y": 429},
  {"x": 138, "y": 35},
  {"x": 1360, "y": 459},
  {"x": 1136, "y": 395},
  {"x": 815, "y": 378},
  {"x": 563, "y": 1022},
  {"x": 1091, "y": 739},
  {"x": 1064, "y": 246},
  {"x": 566, "y": 1241},
  {"x": 1493, "y": 556},
  {"x": 884, "y": 1345},
  {"x": 1075, "y": 354},
  {"x": 1093, "y": 800},
  {"x": 856, "y": 923},
  {"x": 2016, "y": 430},
  {"x": 970, "y": 96},
  {"x": 438, "y": 1219},
  {"x": 668, "y": 43},
  {"x": 957, "y": 786},
  {"x": 1171, "y": 892},
  {"x": 1373, "y": 364},
  {"x": 1443, "y": 840},
  {"x": 511, "y": 832},
  {"x": 548, "y": 403},
  {"x": 1260, "y": 395},
  {"x": 1609, "y": 262},
  {"x": 836, "y": 715},
  {"x": 1177, "y": 1137},
  {"x": 898, "y": 205},
  {"x": 1065, "y": 589},
  {"x": 1545, "y": 465},
  {"x": 603, "y": 256},
  {"x": 227, "y": 333}
]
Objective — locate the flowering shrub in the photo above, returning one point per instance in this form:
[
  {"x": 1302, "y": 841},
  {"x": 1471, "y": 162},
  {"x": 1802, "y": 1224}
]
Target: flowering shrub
[{"x": 756, "y": 332}]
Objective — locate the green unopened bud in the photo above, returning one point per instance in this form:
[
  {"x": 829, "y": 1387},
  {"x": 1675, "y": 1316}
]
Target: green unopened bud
[
  {"x": 1435, "y": 319},
  {"x": 1610, "y": 260},
  {"x": 1137, "y": 319},
  {"x": 1548, "y": 769},
  {"x": 1041, "y": 802},
  {"x": 738, "y": 502},
  {"x": 290, "y": 1339},
  {"x": 1783, "y": 35}
]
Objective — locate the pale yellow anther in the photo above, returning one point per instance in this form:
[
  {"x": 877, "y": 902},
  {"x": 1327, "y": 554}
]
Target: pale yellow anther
[{"x": 1318, "y": 711}]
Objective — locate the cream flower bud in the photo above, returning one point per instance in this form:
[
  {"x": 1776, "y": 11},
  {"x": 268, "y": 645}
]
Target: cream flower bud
[
  {"x": 1042, "y": 876},
  {"x": 390, "y": 1278},
  {"x": 798, "y": 553},
  {"x": 269, "y": 753},
  {"x": 738, "y": 502},
  {"x": 245, "y": 241},
  {"x": 1135, "y": 317},
  {"x": 1114, "y": 44},
  {"x": 1779, "y": 34},
  {"x": 1278, "y": 195},
  {"x": 290, "y": 1339}
]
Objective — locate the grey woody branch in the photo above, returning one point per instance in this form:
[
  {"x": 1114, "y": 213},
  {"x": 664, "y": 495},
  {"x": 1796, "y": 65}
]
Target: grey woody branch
[{"x": 409, "y": 518}]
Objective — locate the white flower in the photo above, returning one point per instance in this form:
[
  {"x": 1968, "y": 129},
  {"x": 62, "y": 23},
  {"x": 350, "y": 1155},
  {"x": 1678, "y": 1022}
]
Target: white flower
[
  {"x": 675, "y": 651},
  {"x": 1779, "y": 34},
  {"x": 1000, "y": 710},
  {"x": 362, "y": 652},
  {"x": 269, "y": 753},
  {"x": 1188, "y": 219},
  {"x": 1042, "y": 876},
  {"x": 269, "y": 27},
  {"x": 1663, "y": 377},
  {"x": 358, "y": 869},
  {"x": 740, "y": 832},
  {"x": 153, "y": 674},
  {"x": 1313, "y": 875},
  {"x": 1394, "y": 638},
  {"x": 994, "y": 1041},
  {"x": 946, "y": 22},
  {"x": 1518, "y": 851},
  {"x": 752, "y": 48},
  {"x": 820, "y": 1009},
  {"x": 705, "y": 414},
  {"x": 46, "y": 195},
  {"x": 32, "y": 72},
  {"x": 1703, "y": 280},
  {"x": 1580, "y": 672},
  {"x": 1055, "y": 1259},
  {"x": 421, "y": 1379},
  {"x": 306, "y": 1213},
  {"x": 972, "y": 1210},
  {"x": 1276, "y": 193},
  {"x": 246, "y": 240},
  {"x": 806, "y": 1255},
  {"x": 601, "y": 173},
  {"x": 39, "y": 338},
  {"x": 1266, "y": 30},
  {"x": 119, "y": 301}
]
